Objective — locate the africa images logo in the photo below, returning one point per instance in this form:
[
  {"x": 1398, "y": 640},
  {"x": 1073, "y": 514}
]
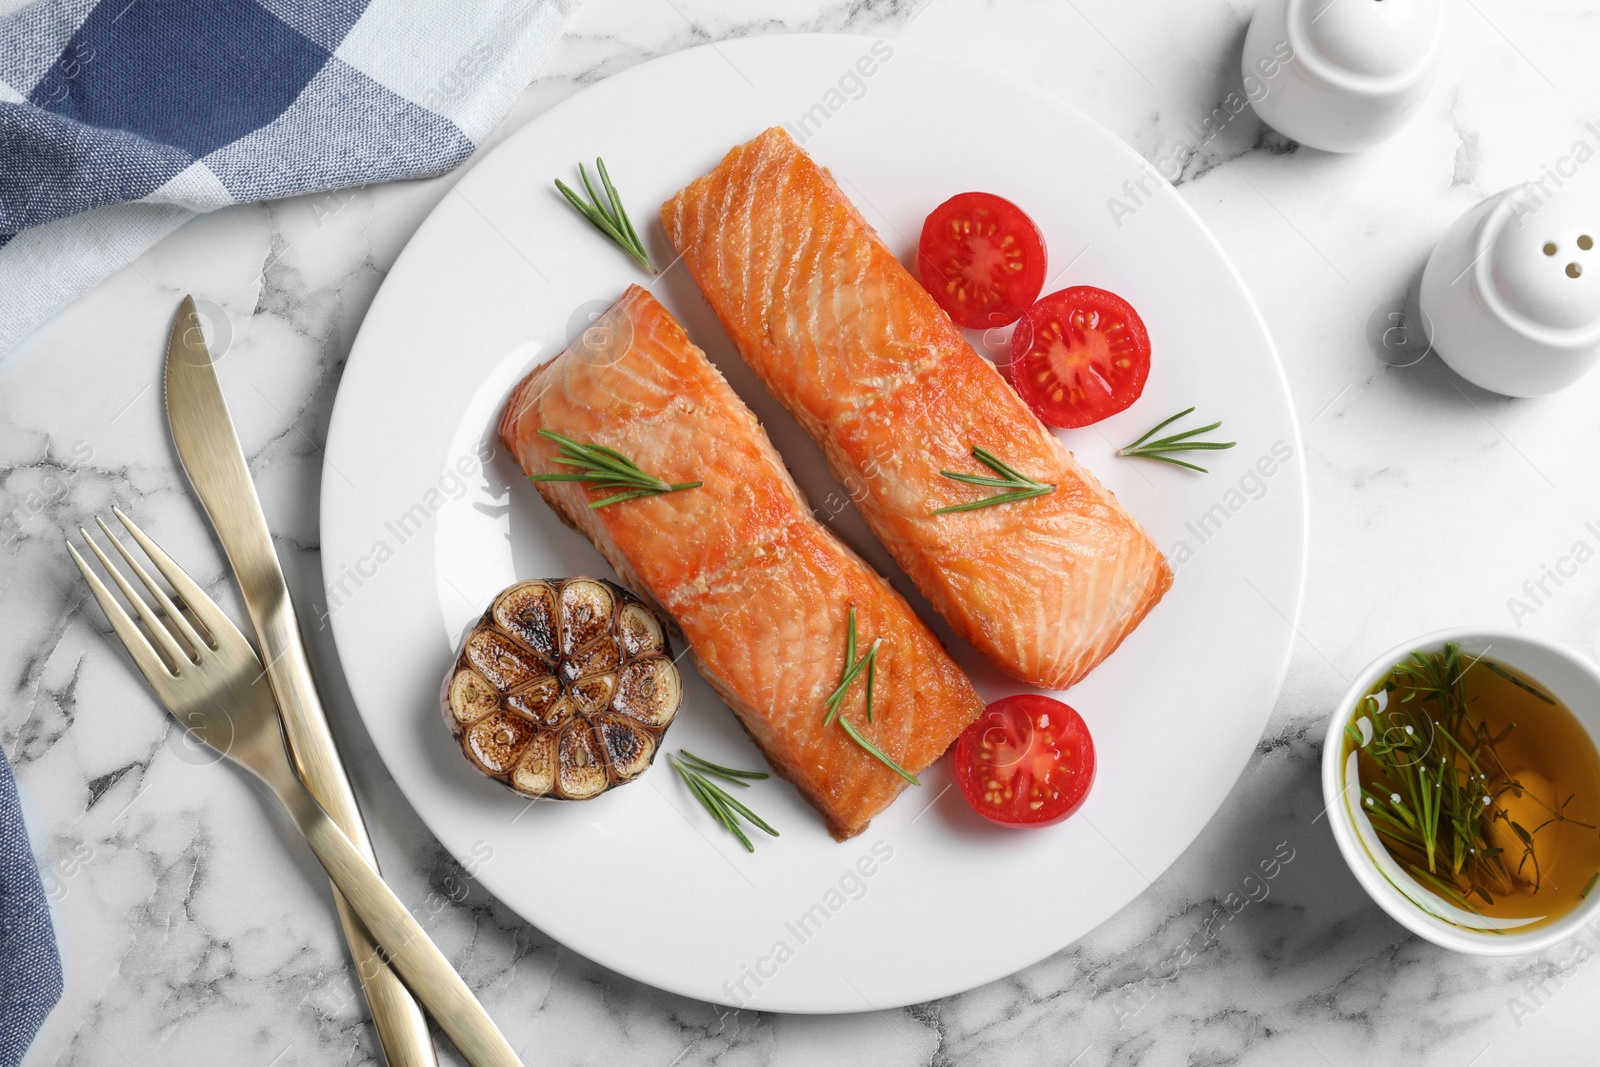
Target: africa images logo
[
  {"x": 850, "y": 886},
  {"x": 1137, "y": 193}
]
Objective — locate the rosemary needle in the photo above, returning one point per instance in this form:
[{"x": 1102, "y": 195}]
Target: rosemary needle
[
  {"x": 605, "y": 468},
  {"x": 850, "y": 642},
  {"x": 716, "y": 800},
  {"x": 1144, "y": 448},
  {"x": 878, "y": 753},
  {"x": 742, "y": 779},
  {"x": 1518, "y": 682},
  {"x": 611, "y": 221},
  {"x": 1020, "y": 486},
  {"x": 872, "y": 669}
]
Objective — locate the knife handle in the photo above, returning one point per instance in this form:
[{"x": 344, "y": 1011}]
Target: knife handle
[{"x": 404, "y": 944}]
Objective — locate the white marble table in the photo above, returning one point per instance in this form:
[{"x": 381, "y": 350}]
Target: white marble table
[{"x": 189, "y": 934}]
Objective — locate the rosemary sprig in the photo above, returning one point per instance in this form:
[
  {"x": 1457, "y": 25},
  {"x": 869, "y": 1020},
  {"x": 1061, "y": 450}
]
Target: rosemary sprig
[
  {"x": 611, "y": 221},
  {"x": 854, "y": 665},
  {"x": 605, "y": 468},
  {"x": 697, "y": 774},
  {"x": 1145, "y": 448},
  {"x": 1019, "y": 485}
]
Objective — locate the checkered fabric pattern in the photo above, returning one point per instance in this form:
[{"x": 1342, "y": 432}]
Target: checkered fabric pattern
[{"x": 121, "y": 119}]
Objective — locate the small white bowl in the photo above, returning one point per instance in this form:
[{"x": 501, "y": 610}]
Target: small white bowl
[
  {"x": 1511, "y": 295},
  {"x": 1565, "y": 675},
  {"x": 1342, "y": 75}
]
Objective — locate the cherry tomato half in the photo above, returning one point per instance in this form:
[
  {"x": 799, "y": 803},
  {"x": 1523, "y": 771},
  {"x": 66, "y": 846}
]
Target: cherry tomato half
[
  {"x": 1027, "y": 761},
  {"x": 982, "y": 258},
  {"x": 1079, "y": 355}
]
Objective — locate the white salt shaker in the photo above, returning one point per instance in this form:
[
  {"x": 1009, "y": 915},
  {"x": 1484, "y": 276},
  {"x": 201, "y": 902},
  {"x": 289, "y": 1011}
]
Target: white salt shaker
[
  {"x": 1342, "y": 75},
  {"x": 1511, "y": 294}
]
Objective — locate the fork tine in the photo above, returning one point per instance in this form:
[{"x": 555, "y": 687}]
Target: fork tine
[
  {"x": 162, "y": 636},
  {"x": 162, "y": 600},
  {"x": 143, "y": 655},
  {"x": 213, "y": 618}
]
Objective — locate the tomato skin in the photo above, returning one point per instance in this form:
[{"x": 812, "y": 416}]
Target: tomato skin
[
  {"x": 982, "y": 259},
  {"x": 1079, "y": 355},
  {"x": 1027, "y": 761}
]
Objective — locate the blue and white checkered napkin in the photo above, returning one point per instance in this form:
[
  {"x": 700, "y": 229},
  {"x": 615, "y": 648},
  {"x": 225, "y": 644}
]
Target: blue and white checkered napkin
[
  {"x": 120, "y": 119},
  {"x": 30, "y": 969}
]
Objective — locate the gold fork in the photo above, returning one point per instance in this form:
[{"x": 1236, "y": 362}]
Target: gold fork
[{"x": 212, "y": 682}]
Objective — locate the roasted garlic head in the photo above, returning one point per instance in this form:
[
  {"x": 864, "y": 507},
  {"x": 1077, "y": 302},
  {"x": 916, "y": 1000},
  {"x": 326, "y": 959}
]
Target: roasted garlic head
[{"x": 563, "y": 689}]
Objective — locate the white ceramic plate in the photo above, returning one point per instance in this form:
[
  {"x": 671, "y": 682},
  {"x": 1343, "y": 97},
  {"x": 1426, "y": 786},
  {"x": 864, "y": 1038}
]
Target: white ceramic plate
[{"x": 418, "y": 535}]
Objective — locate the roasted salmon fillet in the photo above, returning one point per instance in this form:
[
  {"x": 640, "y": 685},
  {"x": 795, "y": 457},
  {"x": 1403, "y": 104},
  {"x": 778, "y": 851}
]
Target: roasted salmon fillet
[
  {"x": 761, "y": 590},
  {"x": 885, "y": 383}
]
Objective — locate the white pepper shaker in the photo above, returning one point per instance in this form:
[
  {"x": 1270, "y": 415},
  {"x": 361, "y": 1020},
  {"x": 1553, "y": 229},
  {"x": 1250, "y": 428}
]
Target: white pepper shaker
[
  {"x": 1345, "y": 74},
  {"x": 1511, "y": 294}
]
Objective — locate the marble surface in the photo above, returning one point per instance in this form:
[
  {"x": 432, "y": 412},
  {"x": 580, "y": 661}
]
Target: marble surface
[{"x": 194, "y": 925}]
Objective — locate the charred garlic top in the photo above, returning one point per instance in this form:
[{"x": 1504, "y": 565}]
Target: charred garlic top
[{"x": 563, "y": 689}]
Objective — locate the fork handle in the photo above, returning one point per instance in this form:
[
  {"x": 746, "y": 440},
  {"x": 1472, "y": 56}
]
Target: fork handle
[{"x": 401, "y": 940}]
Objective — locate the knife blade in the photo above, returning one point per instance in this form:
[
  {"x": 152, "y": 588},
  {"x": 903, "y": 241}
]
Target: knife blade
[{"x": 208, "y": 447}]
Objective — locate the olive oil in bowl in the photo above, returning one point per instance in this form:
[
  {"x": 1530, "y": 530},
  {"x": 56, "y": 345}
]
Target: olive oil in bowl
[{"x": 1482, "y": 788}]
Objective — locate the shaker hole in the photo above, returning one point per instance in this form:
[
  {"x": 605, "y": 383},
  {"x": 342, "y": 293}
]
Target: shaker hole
[
  {"x": 1586, "y": 242},
  {"x": 1573, "y": 270},
  {"x": 1550, "y": 248}
]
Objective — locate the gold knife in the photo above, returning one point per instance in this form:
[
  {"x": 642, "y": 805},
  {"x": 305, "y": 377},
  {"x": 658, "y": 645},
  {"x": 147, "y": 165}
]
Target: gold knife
[{"x": 209, "y": 449}]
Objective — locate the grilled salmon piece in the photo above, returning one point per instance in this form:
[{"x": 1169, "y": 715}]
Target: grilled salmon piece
[
  {"x": 884, "y": 382},
  {"x": 760, "y": 589}
]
